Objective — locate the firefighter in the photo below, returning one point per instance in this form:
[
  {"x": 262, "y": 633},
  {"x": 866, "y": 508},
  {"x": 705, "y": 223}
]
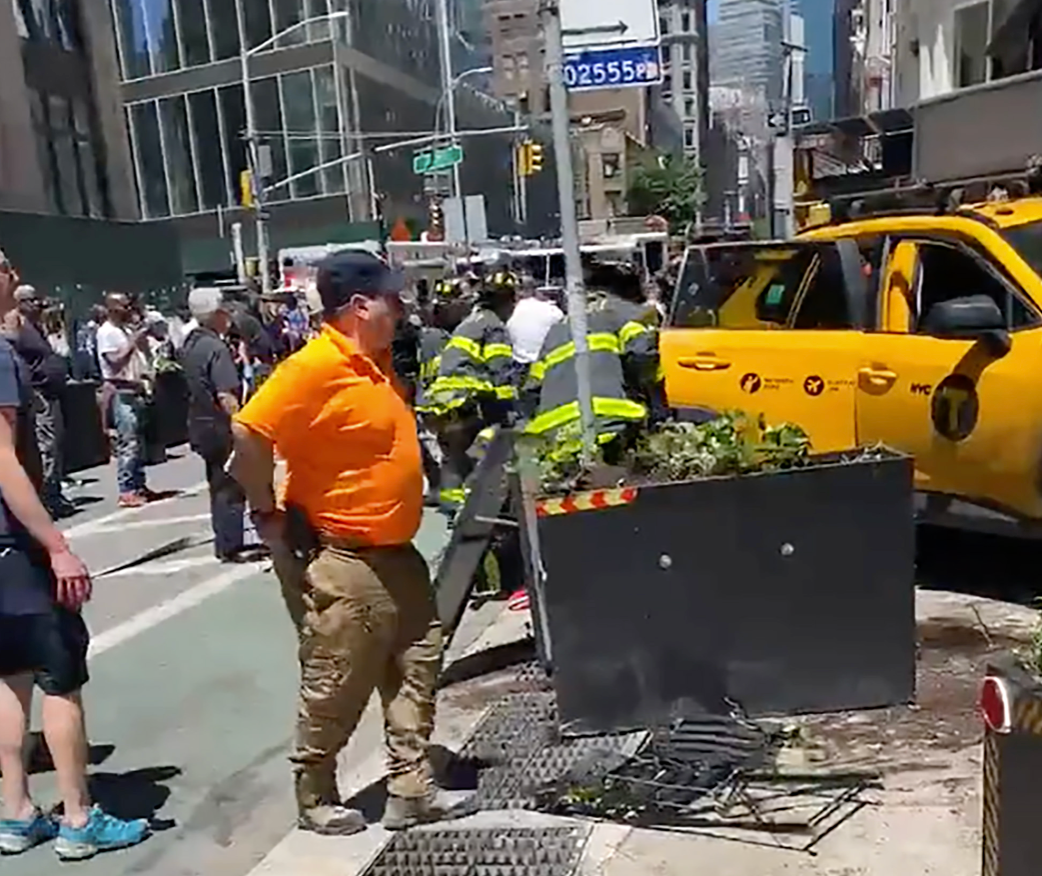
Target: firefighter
[
  {"x": 445, "y": 309},
  {"x": 624, "y": 365},
  {"x": 476, "y": 386}
]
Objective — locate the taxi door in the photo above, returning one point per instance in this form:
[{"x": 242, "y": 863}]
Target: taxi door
[
  {"x": 770, "y": 329},
  {"x": 969, "y": 412}
]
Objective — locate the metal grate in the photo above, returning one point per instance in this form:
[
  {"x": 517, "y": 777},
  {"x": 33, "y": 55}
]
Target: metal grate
[{"x": 515, "y": 851}]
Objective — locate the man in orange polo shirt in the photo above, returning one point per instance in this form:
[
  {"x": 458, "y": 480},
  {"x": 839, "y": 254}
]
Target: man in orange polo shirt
[{"x": 360, "y": 595}]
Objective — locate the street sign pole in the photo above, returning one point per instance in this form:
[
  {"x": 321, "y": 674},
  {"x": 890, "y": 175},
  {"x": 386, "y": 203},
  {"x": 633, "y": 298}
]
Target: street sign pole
[{"x": 550, "y": 16}]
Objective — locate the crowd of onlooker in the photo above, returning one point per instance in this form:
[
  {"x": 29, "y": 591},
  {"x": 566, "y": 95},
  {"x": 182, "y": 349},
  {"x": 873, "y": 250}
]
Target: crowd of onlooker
[{"x": 124, "y": 347}]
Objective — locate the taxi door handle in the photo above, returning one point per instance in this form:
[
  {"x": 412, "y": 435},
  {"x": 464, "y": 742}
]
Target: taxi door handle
[
  {"x": 706, "y": 362},
  {"x": 879, "y": 375}
]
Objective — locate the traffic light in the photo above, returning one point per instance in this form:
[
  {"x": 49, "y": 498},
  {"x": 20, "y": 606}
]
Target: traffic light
[
  {"x": 529, "y": 158},
  {"x": 535, "y": 157},
  {"x": 246, "y": 188},
  {"x": 435, "y": 221}
]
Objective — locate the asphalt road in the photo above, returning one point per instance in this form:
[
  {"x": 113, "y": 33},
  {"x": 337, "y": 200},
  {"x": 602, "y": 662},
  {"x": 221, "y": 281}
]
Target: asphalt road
[{"x": 190, "y": 705}]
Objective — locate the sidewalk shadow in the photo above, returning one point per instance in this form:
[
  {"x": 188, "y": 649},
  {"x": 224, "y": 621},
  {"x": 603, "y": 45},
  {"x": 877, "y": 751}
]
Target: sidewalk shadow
[
  {"x": 135, "y": 794},
  {"x": 451, "y": 772},
  {"x": 488, "y": 661},
  {"x": 40, "y": 760}
]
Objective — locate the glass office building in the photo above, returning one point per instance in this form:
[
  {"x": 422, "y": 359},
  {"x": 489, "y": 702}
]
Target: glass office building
[{"x": 320, "y": 90}]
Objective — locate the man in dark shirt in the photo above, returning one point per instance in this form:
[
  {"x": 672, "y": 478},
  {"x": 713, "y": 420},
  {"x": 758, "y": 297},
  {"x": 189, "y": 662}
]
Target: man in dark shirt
[
  {"x": 43, "y": 639},
  {"x": 214, "y": 396},
  {"x": 49, "y": 374}
]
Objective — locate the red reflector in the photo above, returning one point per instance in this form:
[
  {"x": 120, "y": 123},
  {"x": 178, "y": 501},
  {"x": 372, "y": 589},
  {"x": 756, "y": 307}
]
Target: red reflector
[{"x": 995, "y": 705}]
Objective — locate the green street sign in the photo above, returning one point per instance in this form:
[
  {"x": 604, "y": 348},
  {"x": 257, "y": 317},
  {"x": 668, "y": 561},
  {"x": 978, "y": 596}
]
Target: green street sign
[{"x": 438, "y": 159}]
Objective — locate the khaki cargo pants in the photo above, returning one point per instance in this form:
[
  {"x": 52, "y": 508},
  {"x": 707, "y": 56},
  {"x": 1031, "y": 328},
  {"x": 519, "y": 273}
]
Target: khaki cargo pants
[{"x": 366, "y": 620}]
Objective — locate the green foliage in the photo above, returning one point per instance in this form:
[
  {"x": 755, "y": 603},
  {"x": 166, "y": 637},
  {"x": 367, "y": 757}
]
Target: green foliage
[
  {"x": 731, "y": 444},
  {"x": 667, "y": 185},
  {"x": 560, "y": 459}
]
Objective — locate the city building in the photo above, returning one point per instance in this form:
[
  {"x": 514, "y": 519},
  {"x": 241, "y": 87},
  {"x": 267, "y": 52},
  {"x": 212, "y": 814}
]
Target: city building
[
  {"x": 613, "y": 127},
  {"x": 818, "y": 17},
  {"x": 685, "y": 59},
  {"x": 745, "y": 49},
  {"x": 322, "y": 91},
  {"x": 66, "y": 177},
  {"x": 62, "y": 144}
]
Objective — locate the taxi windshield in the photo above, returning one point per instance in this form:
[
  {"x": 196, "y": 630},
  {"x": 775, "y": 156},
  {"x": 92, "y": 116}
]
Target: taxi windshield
[{"x": 1027, "y": 240}]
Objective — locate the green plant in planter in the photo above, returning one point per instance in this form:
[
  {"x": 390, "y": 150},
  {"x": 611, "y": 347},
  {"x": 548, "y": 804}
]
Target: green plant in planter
[{"x": 730, "y": 444}]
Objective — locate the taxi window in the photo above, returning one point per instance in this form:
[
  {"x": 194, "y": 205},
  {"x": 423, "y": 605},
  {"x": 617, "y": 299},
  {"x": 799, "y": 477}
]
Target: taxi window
[
  {"x": 740, "y": 287},
  {"x": 1027, "y": 240}
]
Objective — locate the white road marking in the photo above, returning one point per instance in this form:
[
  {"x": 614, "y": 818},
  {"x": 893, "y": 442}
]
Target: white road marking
[
  {"x": 163, "y": 611},
  {"x": 168, "y": 567},
  {"x": 88, "y": 527},
  {"x": 146, "y": 524}
]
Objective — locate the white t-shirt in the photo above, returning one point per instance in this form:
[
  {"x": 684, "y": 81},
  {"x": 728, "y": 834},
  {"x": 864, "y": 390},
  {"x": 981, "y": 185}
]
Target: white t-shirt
[
  {"x": 528, "y": 326},
  {"x": 113, "y": 339}
]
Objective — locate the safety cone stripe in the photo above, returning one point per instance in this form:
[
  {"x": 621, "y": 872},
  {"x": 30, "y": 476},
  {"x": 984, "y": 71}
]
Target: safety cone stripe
[
  {"x": 518, "y": 601},
  {"x": 593, "y": 500},
  {"x": 990, "y": 826},
  {"x": 1027, "y": 715}
]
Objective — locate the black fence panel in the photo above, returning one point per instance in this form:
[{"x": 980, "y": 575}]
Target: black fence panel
[{"x": 780, "y": 593}]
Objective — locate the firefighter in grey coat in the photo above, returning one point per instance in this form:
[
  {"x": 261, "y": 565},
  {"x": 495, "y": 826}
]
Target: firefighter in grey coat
[
  {"x": 476, "y": 386},
  {"x": 448, "y": 306},
  {"x": 624, "y": 364}
]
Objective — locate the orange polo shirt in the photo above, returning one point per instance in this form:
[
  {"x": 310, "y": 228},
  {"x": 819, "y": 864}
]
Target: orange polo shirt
[{"x": 348, "y": 438}]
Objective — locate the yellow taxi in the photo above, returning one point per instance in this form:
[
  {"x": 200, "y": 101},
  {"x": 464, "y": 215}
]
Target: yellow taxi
[{"x": 922, "y": 331}]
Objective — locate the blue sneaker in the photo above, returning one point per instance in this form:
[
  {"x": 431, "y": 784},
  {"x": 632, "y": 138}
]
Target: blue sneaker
[
  {"x": 101, "y": 833},
  {"x": 19, "y": 836}
]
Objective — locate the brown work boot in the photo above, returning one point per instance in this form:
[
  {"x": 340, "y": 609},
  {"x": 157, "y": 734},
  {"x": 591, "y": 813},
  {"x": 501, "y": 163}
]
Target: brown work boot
[
  {"x": 405, "y": 812},
  {"x": 331, "y": 820}
]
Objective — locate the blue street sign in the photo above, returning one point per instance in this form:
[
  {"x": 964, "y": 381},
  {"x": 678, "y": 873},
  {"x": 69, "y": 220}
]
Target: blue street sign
[{"x": 613, "y": 67}]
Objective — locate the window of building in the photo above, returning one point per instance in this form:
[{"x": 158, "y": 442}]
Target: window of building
[
  {"x": 148, "y": 160},
  {"x": 257, "y": 21},
  {"x": 195, "y": 42},
  {"x": 663, "y": 25},
  {"x": 689, "y": 107},
  {"x": 298, "y": 103},
  {"x": 689, "y": 137},
  {"x": 971, "y": 44},
  {"x": 66, "y": 159},
  {"x": 685, "y": 52},
  {"x": 224, "y": 31},
  {"x": 611, "y": 165},
  {"x": 317, "y": 30},
  {"x": 329, "y": 125},
  {"x": 206, "y": 136},
  {"x": 233, "y": 124},
  {"x": 287, "y": 14},
  {"x": 687, "y": 80},
  {"x": 148, "y": 37},
  {"x": 667, "y": 85},
  {"x": 267, "y": 106},
  {"x": 88, "y": 161},
  {"x": 522, "y": 70},
  {"x": 685, "y": 22},
  {"x": 508, "y": 67},
  {"x": 44, "y": 149},
  {"x": 177, "y": 149}
]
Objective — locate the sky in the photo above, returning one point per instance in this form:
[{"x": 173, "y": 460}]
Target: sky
[{"x": 712, "y": 10}]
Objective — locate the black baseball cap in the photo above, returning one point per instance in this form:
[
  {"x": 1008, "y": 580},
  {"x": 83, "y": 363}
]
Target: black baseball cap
[{"x": 350, "y": 272}]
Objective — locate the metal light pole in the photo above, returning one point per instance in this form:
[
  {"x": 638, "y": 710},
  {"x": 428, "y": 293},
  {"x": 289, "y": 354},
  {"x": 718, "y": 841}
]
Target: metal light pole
[
  {"x": 448, "y": 93},
  {"x": 550, "y": 15},
  {"x": 252, "y": 146}
]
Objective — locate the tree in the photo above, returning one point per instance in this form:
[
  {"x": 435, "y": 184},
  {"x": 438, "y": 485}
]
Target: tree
[{"x": 669, "y": 185}]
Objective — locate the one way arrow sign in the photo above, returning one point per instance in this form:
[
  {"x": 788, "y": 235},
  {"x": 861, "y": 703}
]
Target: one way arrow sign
[{"x": 586, "y": 24}]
